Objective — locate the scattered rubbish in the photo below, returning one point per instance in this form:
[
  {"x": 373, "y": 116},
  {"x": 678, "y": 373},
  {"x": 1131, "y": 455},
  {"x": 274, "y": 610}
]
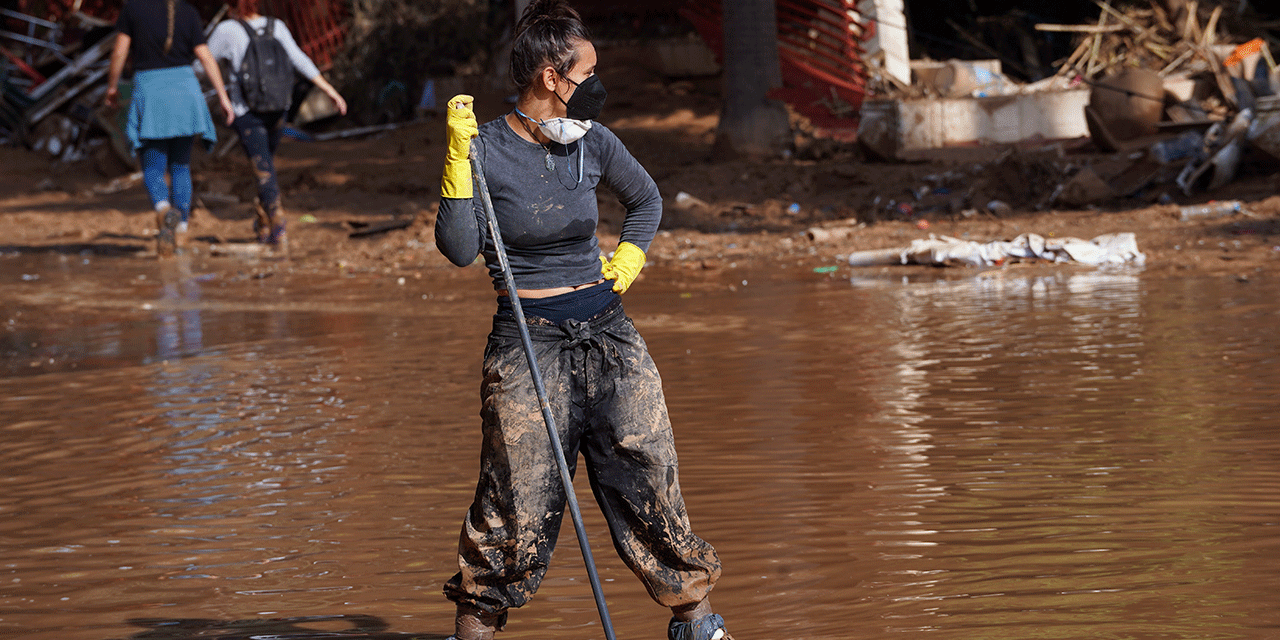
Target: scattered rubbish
[
  {"x": 828, "y": 269},
  {"x": 878, "y": 257},
  {"x": 241, "y": 249},
  {"x": 1179, "y": 148},
  {"x": 999, "y": 208},
  {"x": 1264, "y": 131},
  {"x": 360, "y": 228},
  {"x": 841, "y": 230},
  {"x": 686, "y": 202},
  {"x": 307, "y": 218},
  {"x": 361, "y": 131},
  {"x": 1125, "y": 106},
  {"x": 1210, "y": 210},
  {"x": 297, "y": 134},
  {"x": 1108, "y": 249}
]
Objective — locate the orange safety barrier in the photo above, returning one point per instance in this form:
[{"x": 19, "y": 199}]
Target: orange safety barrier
[
  {"x": 319, "y": 26},
  {"x": 1243, "y": 51}
]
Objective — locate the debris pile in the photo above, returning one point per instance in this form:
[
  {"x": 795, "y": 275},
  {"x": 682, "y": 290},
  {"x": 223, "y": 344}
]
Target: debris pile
[
  {"x": 1179, "y": 101},
  {"x": 52, "y": 79},
  {"x": 941, "y": 251}
]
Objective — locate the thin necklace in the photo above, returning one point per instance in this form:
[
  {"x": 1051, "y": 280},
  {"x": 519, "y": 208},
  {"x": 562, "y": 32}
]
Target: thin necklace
[{"x": 550, "y": 162}]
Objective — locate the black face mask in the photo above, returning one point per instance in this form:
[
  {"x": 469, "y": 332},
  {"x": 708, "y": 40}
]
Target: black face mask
[{"x": 587, "y": 101}]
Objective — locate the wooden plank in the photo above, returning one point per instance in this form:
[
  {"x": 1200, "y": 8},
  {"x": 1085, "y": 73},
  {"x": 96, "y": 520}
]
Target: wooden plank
[
  {"x": 1176, "y": 62},
  {"x": 44, "y": 111},
  {"x": 1210, "y": 29},
  {"x": 1079, "y": 28},
  {"x": 83, "y": 62},
  {"x": 1191, "y": 28}
]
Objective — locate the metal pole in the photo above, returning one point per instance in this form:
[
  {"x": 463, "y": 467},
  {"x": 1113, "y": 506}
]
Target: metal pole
[{"x": 482, "y": 190}]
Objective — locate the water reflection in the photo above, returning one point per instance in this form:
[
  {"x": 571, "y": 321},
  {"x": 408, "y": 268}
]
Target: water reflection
[
  {"x": 357, "y": 627},
  {"x": 1052, "y": 454},
  {"x": 179, "y": 330},
  {"x": 1028, "y": 453}
]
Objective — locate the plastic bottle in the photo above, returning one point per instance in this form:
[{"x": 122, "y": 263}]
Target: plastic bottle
[
  {"x": 1211, "y": 210},
  {"x": 999, "y": 208}
]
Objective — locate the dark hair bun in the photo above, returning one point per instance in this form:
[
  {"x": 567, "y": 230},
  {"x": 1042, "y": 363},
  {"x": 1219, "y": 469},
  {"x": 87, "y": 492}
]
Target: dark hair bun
[{"x": 546, "y": 34}]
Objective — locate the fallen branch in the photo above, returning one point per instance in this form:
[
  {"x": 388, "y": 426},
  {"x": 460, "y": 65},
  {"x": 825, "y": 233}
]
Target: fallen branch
[{"x": 1176, "y": 62}]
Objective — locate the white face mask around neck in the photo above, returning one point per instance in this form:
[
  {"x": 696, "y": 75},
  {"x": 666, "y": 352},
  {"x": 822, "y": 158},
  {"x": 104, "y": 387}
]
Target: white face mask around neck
[{"x": 561, "y": 130}]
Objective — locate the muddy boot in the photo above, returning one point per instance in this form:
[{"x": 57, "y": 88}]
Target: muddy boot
[
  {"x": 167, "y": 224},
  {"x": 275, "y": 237},
  {"x": 474, "y": 624},
  {"x": 261, "y": 222},
  {"x": 696, "y": 623}
]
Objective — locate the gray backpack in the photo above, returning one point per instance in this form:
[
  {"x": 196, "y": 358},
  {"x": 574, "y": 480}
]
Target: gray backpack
[{"x": 266, "y": 74}]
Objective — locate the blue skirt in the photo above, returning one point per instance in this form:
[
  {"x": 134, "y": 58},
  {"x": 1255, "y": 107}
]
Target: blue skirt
[{"x": 168, "y": 103}]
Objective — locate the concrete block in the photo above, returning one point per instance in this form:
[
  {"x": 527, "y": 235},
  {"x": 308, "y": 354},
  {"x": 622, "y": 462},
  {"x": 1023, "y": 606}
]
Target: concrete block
[{"x": 890, "y": 127}]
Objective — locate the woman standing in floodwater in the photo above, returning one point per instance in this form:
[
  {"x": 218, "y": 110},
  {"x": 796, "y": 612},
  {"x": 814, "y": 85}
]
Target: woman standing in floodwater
[
  {"x": 167, "y": 108},
  {"x": 543, "y": 162}
]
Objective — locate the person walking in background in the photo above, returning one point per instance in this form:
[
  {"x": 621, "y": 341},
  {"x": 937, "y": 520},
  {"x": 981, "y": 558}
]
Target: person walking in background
[
  {"x": 259, "y": 102},
  {"x": 543, "y": 162},
  {"x": 167, "y": 109}
]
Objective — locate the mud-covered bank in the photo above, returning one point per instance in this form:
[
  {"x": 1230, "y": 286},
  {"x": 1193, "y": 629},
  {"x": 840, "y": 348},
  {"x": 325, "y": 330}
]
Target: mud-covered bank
[
  {"x": 335, "y": 190},
  {"x": 736, "y": 211}
]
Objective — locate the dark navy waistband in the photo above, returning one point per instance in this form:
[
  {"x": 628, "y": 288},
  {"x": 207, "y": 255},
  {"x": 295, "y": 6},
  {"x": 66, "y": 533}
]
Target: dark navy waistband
[
  {"x": 580, "y": 305},
  {"x": 544, "y": 330}
]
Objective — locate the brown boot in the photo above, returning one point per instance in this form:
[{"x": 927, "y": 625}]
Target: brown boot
[
  {"x": 696, "y": 622},
  {"x": 474, "y": 624},
  {"x": 166, "y": 223},
  {"x": 261, "y": 222},
  {"x": 274, "y": 236}
]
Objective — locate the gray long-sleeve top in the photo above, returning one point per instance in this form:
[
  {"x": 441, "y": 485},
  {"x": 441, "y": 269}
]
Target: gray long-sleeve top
[
  {"x": 548, "y": 219},
  {"x": 229, "y": 42}
]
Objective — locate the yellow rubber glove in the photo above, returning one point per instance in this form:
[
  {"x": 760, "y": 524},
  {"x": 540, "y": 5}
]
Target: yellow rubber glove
[
  {"x": 624, "y": 267},
  {"x": 460, "y": 128}
]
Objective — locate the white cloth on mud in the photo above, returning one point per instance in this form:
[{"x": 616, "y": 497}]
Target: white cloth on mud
[{"x": 1111, "y": 248}]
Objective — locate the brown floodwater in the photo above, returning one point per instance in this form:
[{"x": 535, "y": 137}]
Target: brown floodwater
[{"x": 199, "y": 452}]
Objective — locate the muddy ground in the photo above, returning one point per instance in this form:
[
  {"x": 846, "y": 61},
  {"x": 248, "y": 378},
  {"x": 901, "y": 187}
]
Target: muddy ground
[{"x": 747, "y": 212}]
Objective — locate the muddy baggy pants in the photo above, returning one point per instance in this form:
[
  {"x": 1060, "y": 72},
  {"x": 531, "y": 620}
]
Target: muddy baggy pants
[{"x": 606, "y": 398}]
